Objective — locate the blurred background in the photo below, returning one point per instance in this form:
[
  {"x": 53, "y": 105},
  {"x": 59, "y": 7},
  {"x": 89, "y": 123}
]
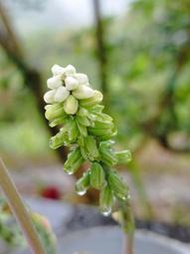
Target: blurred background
[{"x": 137, "y": 52}]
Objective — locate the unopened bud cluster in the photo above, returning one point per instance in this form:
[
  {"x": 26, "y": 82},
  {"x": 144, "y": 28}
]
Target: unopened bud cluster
[{"x": 87, "y": 131}]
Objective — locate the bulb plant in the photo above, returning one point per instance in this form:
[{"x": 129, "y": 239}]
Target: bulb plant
[{"x": 88, "y": 132}]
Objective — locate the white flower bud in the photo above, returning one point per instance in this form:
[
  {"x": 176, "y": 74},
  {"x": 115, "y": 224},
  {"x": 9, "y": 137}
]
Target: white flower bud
[
  {"x": 61, "y": 94},
  {"x": 71, "y": 83},
  {"x": 83, "y": 92},
  {"x": 54, "y": 82},
  {"x": 82, "y": 78},
  {"x": 70, "y": 70},
  {"x": 49, "y": 96},
  {"x": 71, "y": 105},
  {"x": 57, "y": 69},
  {"x": 94, "y": 100}
]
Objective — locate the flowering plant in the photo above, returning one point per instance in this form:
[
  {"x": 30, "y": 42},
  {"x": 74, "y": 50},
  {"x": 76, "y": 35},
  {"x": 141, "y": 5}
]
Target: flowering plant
[
  {"x": 88, "y": 132},
  {"x": 75, "y": 106}
]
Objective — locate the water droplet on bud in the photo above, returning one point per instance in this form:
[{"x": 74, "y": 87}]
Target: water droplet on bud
[
  {"x": 81, "y": 192},
  {"x": 69, "y": 172},
  {"x": 106, "y": 211}
]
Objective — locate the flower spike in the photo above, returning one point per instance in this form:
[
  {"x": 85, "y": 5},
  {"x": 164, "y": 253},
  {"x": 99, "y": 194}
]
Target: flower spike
[{"x": 75, "y": 106}]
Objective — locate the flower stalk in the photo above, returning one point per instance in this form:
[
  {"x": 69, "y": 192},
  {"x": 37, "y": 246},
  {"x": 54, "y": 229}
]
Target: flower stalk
[
  {"x": 128, "y": 225},
  {"x": 19, "y": 210}
]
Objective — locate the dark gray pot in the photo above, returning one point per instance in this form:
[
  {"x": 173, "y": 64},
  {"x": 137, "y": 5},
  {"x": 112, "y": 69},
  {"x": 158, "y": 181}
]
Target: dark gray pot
[
  {"x": 97, "y": 240},
  {"x": 108, "y": 239}
]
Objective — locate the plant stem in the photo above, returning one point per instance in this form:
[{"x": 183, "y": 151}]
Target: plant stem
[
  {"x": 128, "y": 225},
  {"x": 19, "y": 210},
  {"x": 128, "y": 242}
]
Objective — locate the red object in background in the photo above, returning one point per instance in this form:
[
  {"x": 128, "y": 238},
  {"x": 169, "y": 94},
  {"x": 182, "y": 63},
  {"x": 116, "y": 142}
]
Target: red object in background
[{"x": 51, "y": 192}]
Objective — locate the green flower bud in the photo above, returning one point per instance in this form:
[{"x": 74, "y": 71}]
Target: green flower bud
[
  {"x": 83, "y": 184},
  {"x": 97, "y": 109},
  {"x": 82, "y": 129},
  {"x": 83, "y": 112},
  {"x": 118, "y": 186},
  {"x": 57, "y": 121},
  {"x": 57, "y": 140},
  {"x": 80, "y": 141},
  {"x": 91, "y": 147},
  {"x": 107, "y": 155},
  {"x": 124, "y": 156},
  {"x": 101, "y": 117},
  {"x": 71, "y": 105},
  {"x": 103, "y": 125},
  {"x": 74, "y": 161},
  {"x": 103, "y": 130},
  {"x": 72, "y": 129},
  {"x": 106, "y": 200},
  {"x": 90, "y": 102},
  {"x": 84, "y": 153},
  {"x": 83, "y": 120},
  {"x": 97, "y": 177},
  {"x": 54, "y": 111},
  {"x": 103, "y": 134}
]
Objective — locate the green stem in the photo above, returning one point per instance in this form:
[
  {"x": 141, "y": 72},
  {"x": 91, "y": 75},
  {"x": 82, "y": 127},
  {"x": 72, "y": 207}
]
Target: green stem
[
  {"x": 128, "y": 225},
  {"x": 19, "y": 210}
]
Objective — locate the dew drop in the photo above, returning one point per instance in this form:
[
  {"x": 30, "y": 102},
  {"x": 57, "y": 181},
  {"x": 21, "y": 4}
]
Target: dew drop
[
  {"x": 81, "y": 192},
  {"x": 106, "y": 212},
  {"x": 69, "y": 172}
]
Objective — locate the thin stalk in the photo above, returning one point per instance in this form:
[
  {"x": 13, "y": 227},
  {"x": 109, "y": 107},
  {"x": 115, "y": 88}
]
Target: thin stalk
[
  {"x": 128, "y": 225},
  {"x": 128, "y": 243},
  {"x": 19, "y": 210}
]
